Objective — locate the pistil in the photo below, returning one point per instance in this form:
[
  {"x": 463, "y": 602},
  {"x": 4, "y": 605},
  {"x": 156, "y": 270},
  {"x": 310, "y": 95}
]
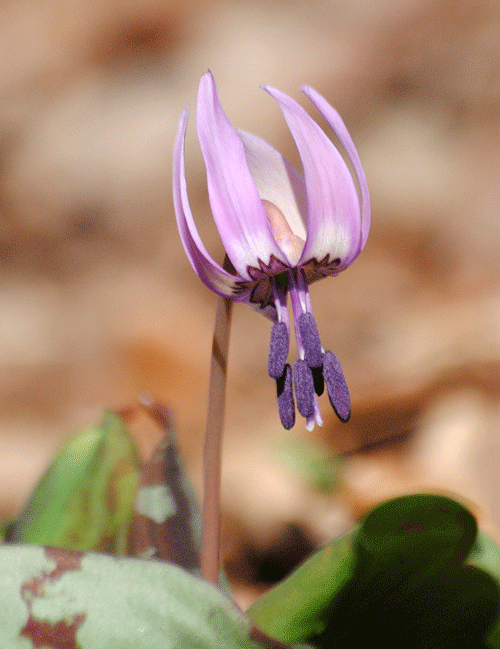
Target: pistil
[{"x": 291, "y": 244}]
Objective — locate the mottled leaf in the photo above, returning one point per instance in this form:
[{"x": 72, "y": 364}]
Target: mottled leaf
[
  {"x": 166, "y": 523},
  {"x": 60, "y": 599},
  {"x": 84, "y": 501}
]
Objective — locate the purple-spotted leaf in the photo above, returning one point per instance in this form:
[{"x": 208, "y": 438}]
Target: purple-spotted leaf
[
  {"x": 166, "y": 523},
  {"x": 84, "y": 501},
  {"x": 74, "y": 600}
]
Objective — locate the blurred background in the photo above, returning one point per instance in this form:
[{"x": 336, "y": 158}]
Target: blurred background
[{"x": 99, "y": 303}]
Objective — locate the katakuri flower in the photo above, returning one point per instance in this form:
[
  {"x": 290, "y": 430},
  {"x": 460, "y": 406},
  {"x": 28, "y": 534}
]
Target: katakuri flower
[{"x": 281, "y": 231}]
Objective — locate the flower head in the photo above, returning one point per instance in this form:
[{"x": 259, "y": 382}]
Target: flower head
[{"x": 281, "y": 231}]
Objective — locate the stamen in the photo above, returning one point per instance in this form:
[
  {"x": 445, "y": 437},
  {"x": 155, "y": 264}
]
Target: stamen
[
  {"x": 336, "y": 386},
  {"x": 319, "y": 381},
  {"x": 314, "y": 419},
  {"x": 290, "y": 243},
  {"x": 304, "y": 387},
  {"x": 310, "y": 340},
  {"x": 286, "y": 404},
  {"x": 278, "y": 349}
]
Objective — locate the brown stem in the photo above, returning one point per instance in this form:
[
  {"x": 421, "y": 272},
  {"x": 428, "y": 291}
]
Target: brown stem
[{"x": 210, "y": 536}]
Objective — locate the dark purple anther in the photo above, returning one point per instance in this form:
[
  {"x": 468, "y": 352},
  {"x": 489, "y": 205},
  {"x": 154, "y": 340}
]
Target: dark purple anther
[
  {"x": 278, "y": 349},
  {"x": 286, "y": 405},
  {"x": 319, "y": 381},
  {"x": 304, "y": 388},
  {"x": 310, "y": 339},
  {"x": 337, "y": 389}
]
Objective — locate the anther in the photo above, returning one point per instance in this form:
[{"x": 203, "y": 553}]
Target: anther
[
  {"x": 286, "y": 404},
  {"x": 319, "y": 381},
  {"x": 310, "y": 339},
  {"x": 336, "y": 386},
  {"x": 304, "y": 388},
  {"x": 278, "y": 350}
]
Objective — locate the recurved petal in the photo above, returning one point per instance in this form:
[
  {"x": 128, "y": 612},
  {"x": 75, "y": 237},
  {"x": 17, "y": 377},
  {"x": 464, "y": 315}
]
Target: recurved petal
[
  {"x": 210, "y": 272},
  {"x": 339, "y": 128},
  {"x": 236, "y": 206},
  {"x": 334, "y": 224},
  {"x": 277, "y": 181}
]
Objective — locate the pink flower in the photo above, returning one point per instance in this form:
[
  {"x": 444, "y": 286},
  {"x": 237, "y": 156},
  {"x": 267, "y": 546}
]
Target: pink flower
[{"x": 281, "y": 231}]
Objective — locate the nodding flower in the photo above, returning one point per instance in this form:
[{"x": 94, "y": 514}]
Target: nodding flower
[{"x": 281, "y": 231}]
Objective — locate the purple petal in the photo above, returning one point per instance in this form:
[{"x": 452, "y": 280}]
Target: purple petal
[
  {"x": 340, "y": 130},
  {"x": 211, "y": 274},
  {"x": 236, "y": 206},
  {"x": 277, "y": 181},
  {"x": 336, "y": 386},
  {"x": 334, "y": 223}
]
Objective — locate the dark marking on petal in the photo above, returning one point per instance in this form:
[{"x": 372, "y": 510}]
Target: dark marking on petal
[
  {"x": 336, "y": 386},
  {"x": 274, "y": 267},
  {"x": 262, "y": 293},
  {"x": 259, "y": 284},
  {"x": 304, "y": 387},
  {"x": 315, "y": 269},
  {"x": 286, "y": 404},
  {"x": 60, "y": 634},
  {"x": 278, "y": 350},
  {"x": 310, "y": 340}
]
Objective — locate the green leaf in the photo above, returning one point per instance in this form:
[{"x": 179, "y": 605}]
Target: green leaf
[
  {"x": 5, "y": 530},
  {"x": 399, "y": 575},
  {"x": 486, "y": 555},
  {"x": 413, "y": 534},
  {"x": 411, "y": 581},
  {"x": 166, "y": 522},
  {"x": 310, "y": 460},
  {"x": 57, "y": 598},
  {"x": 84, "y": 501},
  {"x": 295, "y": 609}
]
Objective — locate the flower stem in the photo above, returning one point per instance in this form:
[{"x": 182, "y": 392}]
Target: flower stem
[{"x": 210, "y": 536}]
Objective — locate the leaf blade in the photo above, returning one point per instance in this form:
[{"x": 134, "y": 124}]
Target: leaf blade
[{"x": 84, "y": 500}]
